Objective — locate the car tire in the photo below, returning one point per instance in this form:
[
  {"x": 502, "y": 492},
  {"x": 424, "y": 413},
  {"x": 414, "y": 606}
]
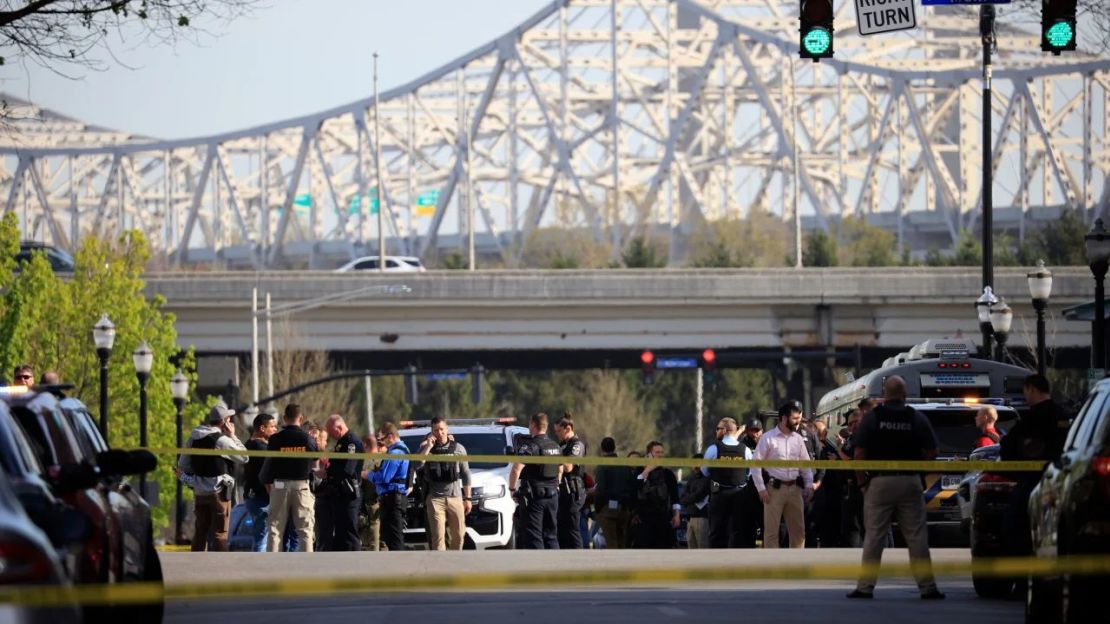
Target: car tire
[
  {"x": 992, "y": 587},
  {"x": 1042, "y": 602}
]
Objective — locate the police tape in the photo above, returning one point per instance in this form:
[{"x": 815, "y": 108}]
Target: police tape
[
  {"x": 145, "y": 592},
  {"x": 638, "y": 462}
]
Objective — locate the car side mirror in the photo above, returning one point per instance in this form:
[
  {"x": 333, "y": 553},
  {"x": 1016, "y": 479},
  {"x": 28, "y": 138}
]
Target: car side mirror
[
  {"x": 73, "y": 477},
  {"x": 122, "y": 463}
]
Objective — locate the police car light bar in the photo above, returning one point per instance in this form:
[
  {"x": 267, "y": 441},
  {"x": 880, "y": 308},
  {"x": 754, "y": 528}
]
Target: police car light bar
[{"x": 504, "y": 420}]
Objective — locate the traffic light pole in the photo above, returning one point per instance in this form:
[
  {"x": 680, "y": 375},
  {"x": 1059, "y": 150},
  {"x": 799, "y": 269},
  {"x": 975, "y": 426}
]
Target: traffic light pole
[
  {"x": 986, "y": 30},
  {"x": 699, "y": 408}
]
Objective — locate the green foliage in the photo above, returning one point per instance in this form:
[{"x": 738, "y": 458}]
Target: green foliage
[
  {"x": 557, "y": 248},
  {"x": 757, "y": 241},
  {"x": 863, "y": 244},
  {"x": 820, "y": 250},
  {"x": 969, "y": 251},
  {"x": 1059, "y": 242},
  {"x": 47, "y": 322},
  {"x": 643, "y": 255},
  {"x": 453, "y": 261}
]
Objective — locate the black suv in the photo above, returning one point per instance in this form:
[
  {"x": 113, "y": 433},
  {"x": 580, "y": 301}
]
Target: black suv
[
  {"x": 1069, "y": 512},
  {"x": 59, "y": 260}
]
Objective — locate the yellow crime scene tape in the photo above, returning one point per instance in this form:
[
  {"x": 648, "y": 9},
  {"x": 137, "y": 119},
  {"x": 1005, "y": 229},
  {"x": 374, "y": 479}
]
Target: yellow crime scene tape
[
  {"x": 669, "y": 462},
  {"x": 135, "y": 593}
]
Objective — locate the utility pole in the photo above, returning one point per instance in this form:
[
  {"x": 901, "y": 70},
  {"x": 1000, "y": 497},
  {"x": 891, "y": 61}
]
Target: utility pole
[
  {"x": 986, "y": 31},
  {"x": 378, "y": 171}
]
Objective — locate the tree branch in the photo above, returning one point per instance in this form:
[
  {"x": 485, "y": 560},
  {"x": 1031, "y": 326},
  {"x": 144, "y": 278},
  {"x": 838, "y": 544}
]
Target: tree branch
[{"x": 7, "y": 17}]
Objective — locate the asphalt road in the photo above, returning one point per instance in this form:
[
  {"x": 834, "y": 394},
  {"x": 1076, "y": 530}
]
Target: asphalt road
[{"x": 785, "y": 601}]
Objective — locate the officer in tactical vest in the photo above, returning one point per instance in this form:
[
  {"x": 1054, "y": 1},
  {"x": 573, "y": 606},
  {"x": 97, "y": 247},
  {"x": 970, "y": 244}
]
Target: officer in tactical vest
[
  {"x": 340, "y": 491},
  {"x": 447, "y": 501},
  {"x": 210, "y": 476},
  {"x": 287, "y": 479},
  {"x": 572, "y": 491},
  {"x": 895, "y": 431},
  {"x": 725, "y": 512},
  {"x": 535, "y": 488}
]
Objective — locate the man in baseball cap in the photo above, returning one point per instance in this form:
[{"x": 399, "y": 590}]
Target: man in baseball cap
[{"x": 209, "y": 476}]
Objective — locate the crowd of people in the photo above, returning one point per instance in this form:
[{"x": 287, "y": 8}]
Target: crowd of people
[{"x": 342, "y": 504}]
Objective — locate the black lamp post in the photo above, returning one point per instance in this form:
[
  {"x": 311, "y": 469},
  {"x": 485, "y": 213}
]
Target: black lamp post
[
  {"x": 1001, "y": 318},
  {"x": 104, "y": 336},
  {"x": 1040, "y": 288},
  {"x": 1098, "y": 254},
  {"x": 179, "y": 388},
  {"x": 143, "y": 358},
  {"x": 983, "y": 310}
]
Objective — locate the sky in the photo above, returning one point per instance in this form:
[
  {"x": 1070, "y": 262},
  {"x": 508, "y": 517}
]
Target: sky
[{"x": 287, "y": 59}]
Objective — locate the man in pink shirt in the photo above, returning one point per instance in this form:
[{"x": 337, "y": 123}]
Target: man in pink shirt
[{"x": 784, "y": 491}]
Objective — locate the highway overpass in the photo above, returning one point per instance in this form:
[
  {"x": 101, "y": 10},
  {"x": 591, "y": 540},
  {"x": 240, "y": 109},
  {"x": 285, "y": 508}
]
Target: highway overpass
[{"x": 454, "y": 316}]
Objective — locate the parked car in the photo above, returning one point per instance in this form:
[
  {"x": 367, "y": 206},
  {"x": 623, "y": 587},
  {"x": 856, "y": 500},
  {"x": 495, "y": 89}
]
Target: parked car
[
  {"x": 84, "y": 473},
  {"x": 28, "y": 558},
  {"x": 393, "y": 264},
  {"x": 59, "y": 260},
  {"x": 1069, "y": 513},
  {"x": 984, "y": 497}
]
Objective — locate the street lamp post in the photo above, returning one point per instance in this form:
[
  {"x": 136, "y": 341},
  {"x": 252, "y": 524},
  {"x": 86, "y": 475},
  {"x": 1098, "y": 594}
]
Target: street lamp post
[
  {"x": 983, "y": 310},
  {"x": 1098, "y": 254},
  {"x": 104, "y": 336},
  {"x": 1040, "y": 288},
  {"x": 179, "y": 388},
  {"x": 1001, "y": 318},
  {"x": 143, "y": 358}
]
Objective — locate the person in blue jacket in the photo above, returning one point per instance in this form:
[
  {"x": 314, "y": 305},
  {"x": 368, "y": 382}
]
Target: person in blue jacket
[{"x": 391, "y": 483}]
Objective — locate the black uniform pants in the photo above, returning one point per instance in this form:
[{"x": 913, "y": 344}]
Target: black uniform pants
[
  {"x": 538, "y": 521},
  {"x": 851, "y": 516},
  {"x": 571, "y": 497},
  {"x": 654, "y": 530},
  {"x": 338, "y": 524},
  {"x": 393, "y": 509},
  {"x": 726, "y": 518}
]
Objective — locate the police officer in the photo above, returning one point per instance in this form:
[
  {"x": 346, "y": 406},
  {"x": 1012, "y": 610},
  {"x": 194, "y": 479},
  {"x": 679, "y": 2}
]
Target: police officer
[
  {"x": 535, "y": 488},
  {"x": 895, "y": 431},
  {"x": 288, "y": 482},
  {"x": 751, "y": 508},
  {"x": 340, "y": 491},
  {"x": 725, "y": 513},
  {"x": 572, "y": 490}
]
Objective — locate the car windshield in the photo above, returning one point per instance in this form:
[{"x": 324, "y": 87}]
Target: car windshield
[
  {"x": 22, "y": 458},
  {"x": 956, "y": 430}
]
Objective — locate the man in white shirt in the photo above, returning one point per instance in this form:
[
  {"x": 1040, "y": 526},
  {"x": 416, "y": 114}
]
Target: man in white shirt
[{"x": 788, "y": 489}]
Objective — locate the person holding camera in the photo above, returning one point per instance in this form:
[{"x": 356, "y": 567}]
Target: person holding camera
[
  {"x": 447, "y": 498},
  {"x": 784, "y": 492},
  {"x": 340, "y": 491},
  {"x": 210, "y": 476}
]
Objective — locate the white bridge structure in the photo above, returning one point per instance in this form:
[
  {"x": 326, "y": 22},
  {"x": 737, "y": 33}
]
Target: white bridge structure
[{"x": 612, "y": 117}]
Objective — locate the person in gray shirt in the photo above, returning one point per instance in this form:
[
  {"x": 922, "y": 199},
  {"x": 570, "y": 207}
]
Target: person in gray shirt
[{"x": 447, "y": 500}]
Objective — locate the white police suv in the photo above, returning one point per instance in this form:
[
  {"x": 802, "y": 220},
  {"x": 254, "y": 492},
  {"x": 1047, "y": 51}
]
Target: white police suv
[{"x": 490, "y": 521}]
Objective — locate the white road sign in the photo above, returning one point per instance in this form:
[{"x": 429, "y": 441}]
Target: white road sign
[{"x": 881, "y": 16}]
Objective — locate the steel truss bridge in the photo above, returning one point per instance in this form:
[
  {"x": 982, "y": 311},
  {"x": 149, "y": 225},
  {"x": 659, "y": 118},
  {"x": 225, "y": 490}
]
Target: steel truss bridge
[{"x": 611, "y": 117}]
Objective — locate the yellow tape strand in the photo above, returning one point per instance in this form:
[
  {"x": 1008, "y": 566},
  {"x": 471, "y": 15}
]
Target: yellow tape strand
[
  {"x": 670, "y": 462},
  {"x": 133, "y": 593}
]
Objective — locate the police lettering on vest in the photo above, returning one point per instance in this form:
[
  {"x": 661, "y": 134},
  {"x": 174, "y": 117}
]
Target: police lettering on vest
[
  {"x": 208, "y": 465},
  {"x": 895, "y": 431},
  {"x": 541, "y": 446},
  {"x": 729, "y": 476},
  {"x": 443, "y": 472}
]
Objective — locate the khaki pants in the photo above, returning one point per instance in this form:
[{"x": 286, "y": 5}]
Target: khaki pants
[
  {"x": 370, "y": 532},
  {"x": 446, "y": 519},
  {"x": 785, "y": 501},
  {"x": 212, "y": 516},
  {"x": 895, "y": 497},
  {"x": 697, "y": 533},
  {"x": 291, "y": 497},
  {"x": 615, "y": 525}
]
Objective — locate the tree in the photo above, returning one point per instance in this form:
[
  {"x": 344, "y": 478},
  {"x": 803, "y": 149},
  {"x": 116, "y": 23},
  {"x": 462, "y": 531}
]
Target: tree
[
  {"x": 47, "y": 321},
  {"x": 56, "y": 33},
  {"x": 864, "y": 244},
  {"x": 756, "y": 241},
  {"x": 820, "y": 250},
  {"x": 557, "y": 248},
  {"x": 1060, "y": 242},
  {"x": 643, "y": 255}
]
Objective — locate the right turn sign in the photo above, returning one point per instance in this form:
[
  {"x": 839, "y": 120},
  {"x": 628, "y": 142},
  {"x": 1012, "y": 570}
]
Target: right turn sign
[{"x": 880, "y": 16}]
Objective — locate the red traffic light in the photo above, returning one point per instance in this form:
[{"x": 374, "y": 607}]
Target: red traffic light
[
  {"x": 647, "y": 357},
  {"x": 708, "y": 356}
]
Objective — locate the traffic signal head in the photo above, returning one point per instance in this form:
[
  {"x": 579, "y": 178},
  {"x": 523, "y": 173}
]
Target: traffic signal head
[
  {"x": 1057, "y": 25},
  {"x": 816, "y": 32},
  {"x": 647, "y": 358},
  {"x": 709, "y": 367}
]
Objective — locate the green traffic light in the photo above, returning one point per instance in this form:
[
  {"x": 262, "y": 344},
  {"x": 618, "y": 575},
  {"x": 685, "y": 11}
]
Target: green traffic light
[
  {"x": 1060, "y": 35},
  {"x": 817, "y": 41}
]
